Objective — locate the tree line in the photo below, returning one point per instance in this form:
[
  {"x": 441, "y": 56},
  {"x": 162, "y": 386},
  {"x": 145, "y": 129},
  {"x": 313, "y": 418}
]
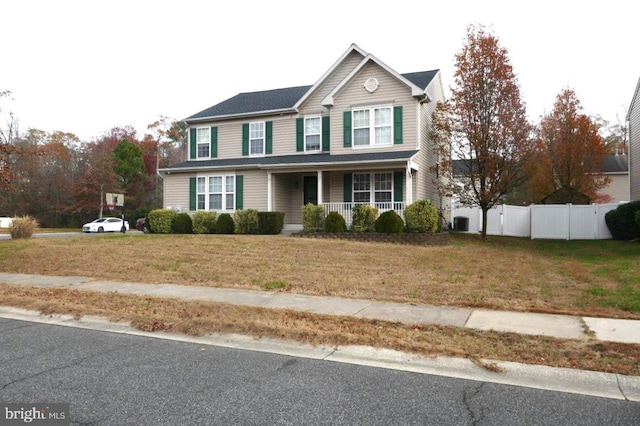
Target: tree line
[{"x": 62, "y": 181}]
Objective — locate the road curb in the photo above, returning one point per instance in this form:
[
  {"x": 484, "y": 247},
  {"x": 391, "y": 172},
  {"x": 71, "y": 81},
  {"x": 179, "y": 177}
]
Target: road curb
[{"x": 605, "y": 385}]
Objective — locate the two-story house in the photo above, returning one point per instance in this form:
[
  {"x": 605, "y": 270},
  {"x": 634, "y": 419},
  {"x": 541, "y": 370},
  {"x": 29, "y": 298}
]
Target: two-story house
[{"x": 360, "y": 134}]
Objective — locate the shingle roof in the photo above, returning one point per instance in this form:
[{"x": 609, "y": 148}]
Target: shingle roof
[
  {"x": 614, "y": 163},
  {"x": 293, "y": 160},
  {"x": 422, "y": 78},
  {"x": 281, "y": 99},
  {"x": 251, "y": 102}
]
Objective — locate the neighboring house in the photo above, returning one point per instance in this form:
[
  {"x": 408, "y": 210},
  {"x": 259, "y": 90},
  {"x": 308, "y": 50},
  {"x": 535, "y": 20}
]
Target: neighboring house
[
  {"x": 633, "y": 123},
  {"x": 616, "y": 168},
  {"x": 358, "y": 135}
]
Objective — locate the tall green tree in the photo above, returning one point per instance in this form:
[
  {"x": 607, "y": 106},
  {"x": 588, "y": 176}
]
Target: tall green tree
[
  {"x": 129, "y": 165},
  {"x": 483, "y": 124}
]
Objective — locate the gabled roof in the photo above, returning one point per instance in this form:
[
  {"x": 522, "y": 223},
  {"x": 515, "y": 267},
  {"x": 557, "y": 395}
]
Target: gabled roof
[
  {"x": 351, "y": 49},
  {"x": 288, "y": 99},
  {"x": 277, "y": 100},
  {"x": 293, "y": 160},
  {"x": 421, "y": 79},
  {"x": 416, "y": 90},
  {"x": 615, "y": 164}
]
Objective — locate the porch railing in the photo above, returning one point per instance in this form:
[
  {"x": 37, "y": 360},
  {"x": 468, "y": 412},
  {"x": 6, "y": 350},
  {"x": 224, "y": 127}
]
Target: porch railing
[{"x": 345, "y": 209}]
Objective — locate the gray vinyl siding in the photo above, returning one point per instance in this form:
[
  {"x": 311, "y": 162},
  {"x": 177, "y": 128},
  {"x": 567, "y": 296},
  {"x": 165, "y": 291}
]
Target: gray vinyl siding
[
  {"x": 255, "y": 189},
  {"x": 313, "y": 104},
  {"x": 283, "y": 186},
  {"x": 634, "y": 146},
  {"x": 618, "y": 188},
  {"x": 230, "y": 135},
  {"x": 390, "y": 92},
  {"x": 425, "y": 187},
  {"x": 176, "y": 191}
]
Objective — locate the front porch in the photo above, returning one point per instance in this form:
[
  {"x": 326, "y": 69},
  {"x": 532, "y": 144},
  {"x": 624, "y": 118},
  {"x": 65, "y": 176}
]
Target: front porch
[{"x": 339, "y": 191}]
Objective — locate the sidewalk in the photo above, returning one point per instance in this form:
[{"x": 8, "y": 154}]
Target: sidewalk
[{"x": 561, "y": 326}]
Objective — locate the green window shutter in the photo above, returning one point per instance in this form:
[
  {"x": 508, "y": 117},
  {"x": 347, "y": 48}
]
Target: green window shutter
[
  {"x": 299, "y": 134},
  {"x": 239, "y": 192},
  {"x": 398, "y": 184},
  {"x": 214, "y": 142},
  {"x": 325, "y": 134},
  {"x": 348, "y": 187},
  {"x": 245, "y": 139},
  {"x": 397, "y": 125},
  {"x": 346, "y": 119},
  {"x": 192, "y": 194},
  {"x": 268, "y": 148},
  {"x": 192, "y": 144}
]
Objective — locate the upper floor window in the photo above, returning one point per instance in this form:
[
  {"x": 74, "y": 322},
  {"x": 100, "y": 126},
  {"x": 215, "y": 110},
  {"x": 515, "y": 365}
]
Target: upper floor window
[
  {"x": 312, "y": 133},
  {"x": 203, "y": 142},
  {"x": 373, "y": 126},
  {"x": 256, "y": 138}
]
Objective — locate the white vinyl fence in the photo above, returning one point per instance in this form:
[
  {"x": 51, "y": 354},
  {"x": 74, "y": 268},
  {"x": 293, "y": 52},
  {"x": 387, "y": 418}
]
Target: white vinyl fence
[{"x": 545, "y": 221}]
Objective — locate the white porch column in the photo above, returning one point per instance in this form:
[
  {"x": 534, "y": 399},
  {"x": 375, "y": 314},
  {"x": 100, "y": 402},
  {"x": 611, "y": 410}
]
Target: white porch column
[
  {"x": 269, "y": 193},
  {"x": 319, "y": 187},
  {"x": 409, "y": 199}
]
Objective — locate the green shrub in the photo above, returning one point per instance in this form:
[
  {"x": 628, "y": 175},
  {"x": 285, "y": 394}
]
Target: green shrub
[
  {"x": 204, "y": 222},
  {"x": 270, "y": 223},
  {"x": 312, "y": 218},
  {"x": 622, "y": 221},
  {"x": 334, "y": 222},
  {"x": 364, "y": 218},
  {"x": 23, "y": 227},
  {"x": 421, "y": 216},
  {"x": 246, "y": 221},
  {"x": 160, "y": 220},
  {"x": 389, "y": 222},
  {"x": 638, "y": 217},
  {"x": 225, "y": 224},
  {"x": 182, "y": 224}
]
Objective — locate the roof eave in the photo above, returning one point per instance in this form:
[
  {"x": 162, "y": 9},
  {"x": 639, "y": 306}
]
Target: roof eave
[{"x": 241, "y": 115}]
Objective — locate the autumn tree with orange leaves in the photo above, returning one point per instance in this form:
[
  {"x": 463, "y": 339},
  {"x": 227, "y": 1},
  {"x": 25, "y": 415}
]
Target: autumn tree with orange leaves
[
  {"x": 483, "y": 126},
  {"x": 569, "y": 154}
]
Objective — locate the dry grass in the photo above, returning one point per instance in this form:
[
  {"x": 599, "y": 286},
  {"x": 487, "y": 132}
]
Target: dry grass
[
  {"x": 509, "y": 274},
  {"x": 506, "y": 274},
  {"x": 199, "y": 318}
]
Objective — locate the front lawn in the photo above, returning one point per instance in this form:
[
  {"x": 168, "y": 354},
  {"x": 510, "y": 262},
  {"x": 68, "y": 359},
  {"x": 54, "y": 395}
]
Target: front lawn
[{"x": 594, "y": 278}]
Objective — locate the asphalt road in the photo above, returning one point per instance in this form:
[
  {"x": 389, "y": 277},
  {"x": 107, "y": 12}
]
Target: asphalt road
[{"x": 118, "y": 379}]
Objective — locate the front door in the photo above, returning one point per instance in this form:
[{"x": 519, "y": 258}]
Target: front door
[{"x": 310, "y": 184}]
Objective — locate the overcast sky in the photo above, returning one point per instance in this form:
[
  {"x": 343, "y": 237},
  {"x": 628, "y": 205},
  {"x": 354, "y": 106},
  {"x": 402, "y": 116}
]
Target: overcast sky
[{"x": 85, "y": 66}]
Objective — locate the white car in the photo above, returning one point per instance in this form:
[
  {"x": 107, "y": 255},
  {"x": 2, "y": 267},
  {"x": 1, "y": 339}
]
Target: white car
[{"x": 105, "y": 224}]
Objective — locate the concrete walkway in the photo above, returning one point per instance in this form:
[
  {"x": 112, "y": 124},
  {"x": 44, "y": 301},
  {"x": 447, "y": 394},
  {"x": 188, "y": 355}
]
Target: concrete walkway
[{"x": 561, "y": 326}]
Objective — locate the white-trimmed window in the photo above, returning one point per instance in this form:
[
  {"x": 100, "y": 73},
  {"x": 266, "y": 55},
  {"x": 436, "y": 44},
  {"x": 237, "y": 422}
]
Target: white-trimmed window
[
  {"x": 216, "y": 192},
  {"x": 256, "y": 138},
  {"x": 312, "y": 133},
  {"x": 203, "y": 142},
  {"x": 382, "y": 187},
  {"x": 373, "y": 126}
]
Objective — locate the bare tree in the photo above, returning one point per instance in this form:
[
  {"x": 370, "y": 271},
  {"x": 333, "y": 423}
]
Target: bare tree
[{"x": 483, "y": 126}]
